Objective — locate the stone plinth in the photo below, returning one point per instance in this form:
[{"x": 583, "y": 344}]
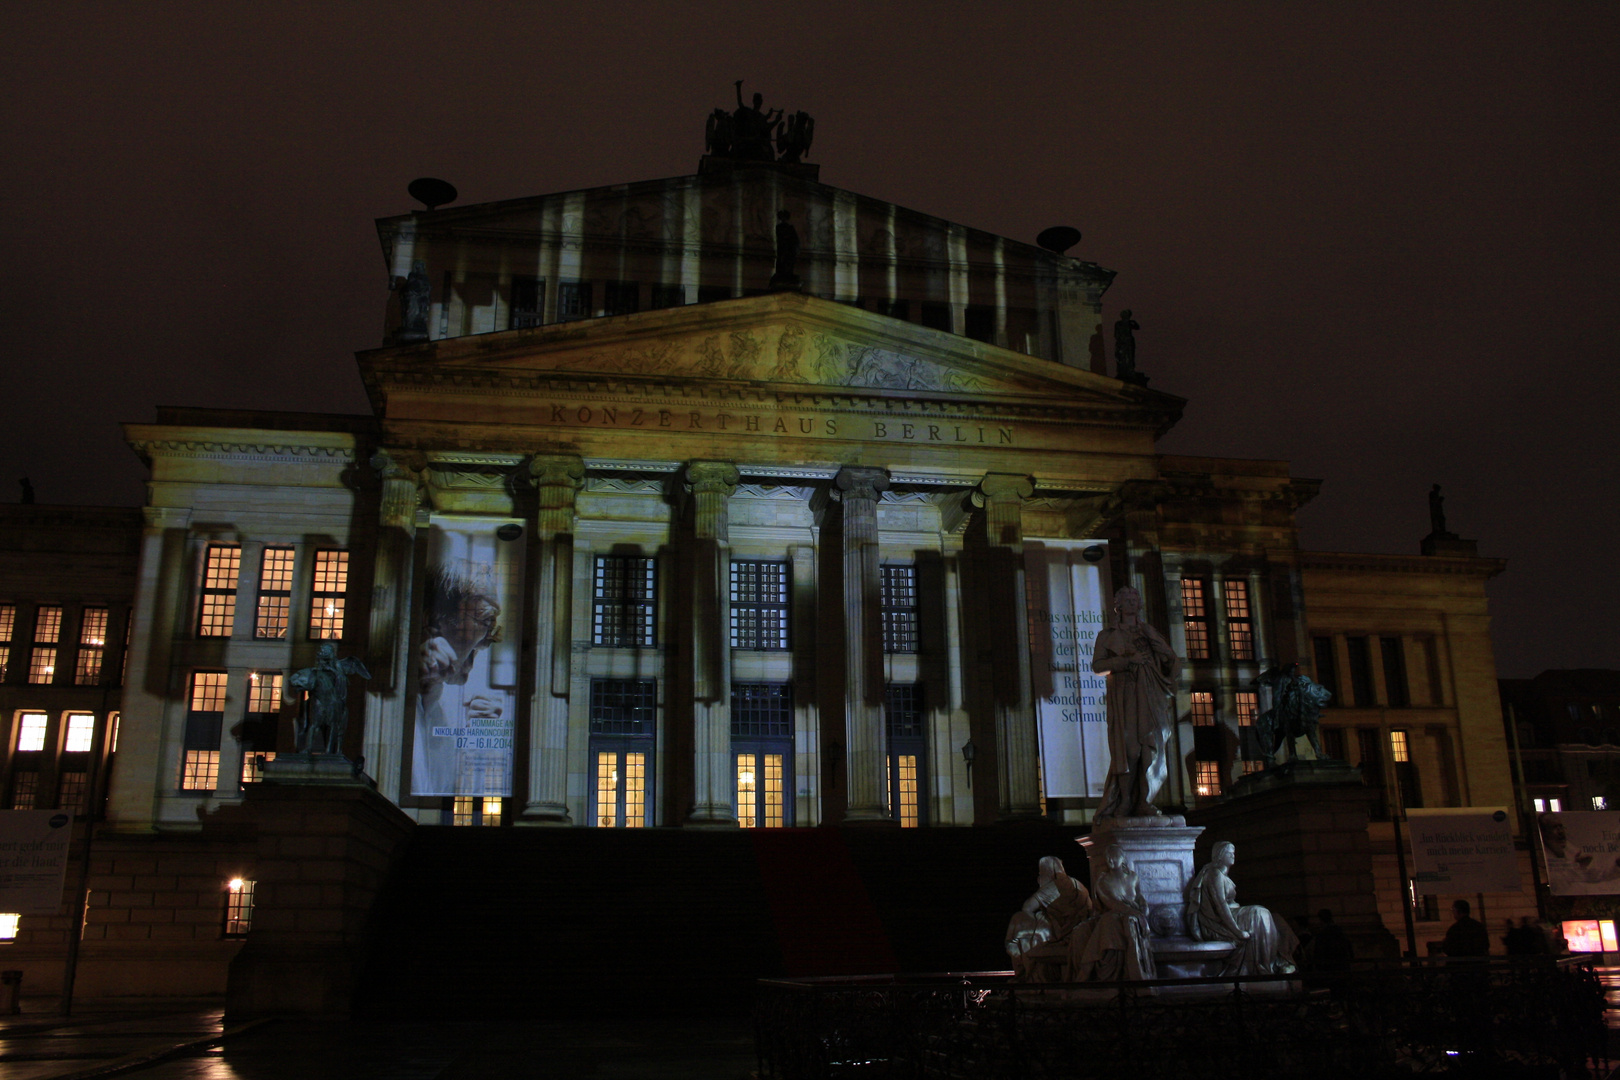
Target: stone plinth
[
  {"x": 1300, "y": 831},
  {"x": 327, "y": 770},
  {"x": 1160, "y": 850},
  {"x": 324, "y": 851}
]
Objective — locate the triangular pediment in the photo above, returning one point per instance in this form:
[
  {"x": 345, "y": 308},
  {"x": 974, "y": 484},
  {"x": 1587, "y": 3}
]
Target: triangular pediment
[{"x": 782, "y": 340}]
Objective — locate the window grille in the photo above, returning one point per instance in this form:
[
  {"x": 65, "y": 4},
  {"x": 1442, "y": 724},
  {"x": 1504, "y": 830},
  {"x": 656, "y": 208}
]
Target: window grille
[
  {"x": 760, "y": 791},
  {"x": 1203, "y": 708},
  {"x": 573, "y": 300},
  {"x": 253, "y": 764},
  {"x": 759, "y": 604},
  {"x": 92, "y": 646},
  {"x": 761, "y": 710},
  {"x": 621, "y": 790},
  {"x": 275, "y": 593},
  {"x": 200, "y": 770},
  {"x": 30, "y": 731},
  {"x": 528, "y": 307},
  {"x": 623, "y": 706},
  {"x": 898, "y": 597},
  {"x": 264, "y": 692},
  {"x": 1195, "y": 617},
  {"x": 1247, "y": 705},
  {"x": 622, "y": 611},
  {"x": 24, "y": 789},
  {"x": 81, "y": 728},
  {"x": 47, "y": 632},
  {"x": 1239, "y": 619},
  {"x": 238, "y": 907},
  {"x": 199, "y": 767},
  {"x": 1251, "y": 765},
  {"x": 903, "y": 710},
  {"x": 1208, "y": 778},
  {"x": 73, "y": 791},
  {"x": 221, "y": 566},
  {"x": 476, "y": 810},
  {"x": 326, "y": 602}
]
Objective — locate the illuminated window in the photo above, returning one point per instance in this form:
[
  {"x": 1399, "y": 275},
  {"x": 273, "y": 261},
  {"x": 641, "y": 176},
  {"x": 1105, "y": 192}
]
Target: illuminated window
[
  {"x": 621, "y": 790},
  {"x": 275, "y": 593},
  {"x": 30, "y": 731},
  {"x": 112, "y": 724},
  {"x": 81, "y": 727},
  {"x": 264, "y": 692},
  {"x": 331, "y": 583},
  {"x": 253, "y": 764},
  {"x": 622, "y": 722},
  {"x": 1247, "y": 705},
  {"x": 1406, "y": 774},
  {"x": 199, "y": 767},
  {"x": 258, "y": 736},
  {"x": 1549, "y": 805},
  {"x": 899, "y": 606},
  {"x": 762, "y": 741},
  {"x": 1208, "y": 778},
  {"x": 625, "y": 598},
  {"x": 1239, "y": 619},
  {"x": 904, "y": 722},
  {"x": 92, "y": 646},
  {"x": 238, "y": 907},
  {"x": 759, "y": 605},
  {"x": 8, "y": 630},
  {"x": 1195, "y": 618},
  {"x": 221, "y": 566},
  {"x": 1203, "y": 708},
  {"x": 1398, "y": 746},
  {"x": 573, "y": 300},
  {"x": 200, "y": 770},
  {"x": 47, "y": 631},
  {"x": 905, "y": 783},
  {"x": 48, "y": 625},
  {"x": 476, "y": 810},
  {"x": 1252, "y": 766},
  {"x": 759, "y": 791},
  {"x": 9, "y": 925}
]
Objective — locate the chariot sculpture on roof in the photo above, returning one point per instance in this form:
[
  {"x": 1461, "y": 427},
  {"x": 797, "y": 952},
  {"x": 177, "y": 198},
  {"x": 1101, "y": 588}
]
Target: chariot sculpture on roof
[{"x": 754, "y": 133}]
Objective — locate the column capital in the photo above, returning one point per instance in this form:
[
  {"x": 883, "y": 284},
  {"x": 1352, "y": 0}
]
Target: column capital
[
  {"x": 402, "y": 478},
  {"x": 713, "y": 478},
  {"x": 166, "y": 517},
  {"x": 557, "y": 470},
  {"x": 860, "y": 482},
  {"x": 997, "y": 487}
]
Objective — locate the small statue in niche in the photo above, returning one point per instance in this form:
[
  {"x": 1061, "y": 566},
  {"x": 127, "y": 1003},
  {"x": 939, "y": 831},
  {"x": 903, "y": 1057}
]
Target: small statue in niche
[
  {"x": 325, "y": 707},
  {"x": 1264, "y": 945},
  {"x": 787, "y": 253},
  {"x": 413, "y": 303},
  {"x": 1296, "y": 712},
  {"x": 1125, "y": 350},
  {"x": 1115, "y": 944},
  {"x": 751, "y": 129}
]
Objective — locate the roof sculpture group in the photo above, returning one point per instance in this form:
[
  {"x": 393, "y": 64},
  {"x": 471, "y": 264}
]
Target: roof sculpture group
[{"x": 754, "y": 133}]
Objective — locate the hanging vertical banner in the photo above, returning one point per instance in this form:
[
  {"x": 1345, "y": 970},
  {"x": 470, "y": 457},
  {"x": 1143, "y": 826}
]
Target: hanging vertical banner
[
  {"x": 1067, "y": 591},
  {"x": 467, "y": 664}
]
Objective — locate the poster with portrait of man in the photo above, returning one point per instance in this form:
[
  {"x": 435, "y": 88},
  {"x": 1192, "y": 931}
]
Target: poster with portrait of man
[
  {"x": 1581, "y": 852},
  {"x": 467, "y": 660}
]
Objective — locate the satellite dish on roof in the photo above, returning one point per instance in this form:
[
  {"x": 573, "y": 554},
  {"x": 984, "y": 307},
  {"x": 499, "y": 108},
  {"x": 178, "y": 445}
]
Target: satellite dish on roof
[
  {"x": 433, "y": 193},
  {"x": 1059, "y": 238}
]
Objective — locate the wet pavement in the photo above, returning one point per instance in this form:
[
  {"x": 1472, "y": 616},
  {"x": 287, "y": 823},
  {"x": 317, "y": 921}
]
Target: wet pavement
[{"x": 195, "y": 1045}]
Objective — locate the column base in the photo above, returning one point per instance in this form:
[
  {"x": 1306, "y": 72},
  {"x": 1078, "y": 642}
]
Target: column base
[
  {"x": 710, "y": 817},
  {"x": 544, "y": 815},
  {"x": 869, "y": 819}
]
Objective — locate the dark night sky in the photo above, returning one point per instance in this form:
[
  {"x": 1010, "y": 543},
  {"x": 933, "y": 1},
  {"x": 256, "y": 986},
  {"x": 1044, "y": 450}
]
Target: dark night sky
[{"x": 1378, "y": 241}]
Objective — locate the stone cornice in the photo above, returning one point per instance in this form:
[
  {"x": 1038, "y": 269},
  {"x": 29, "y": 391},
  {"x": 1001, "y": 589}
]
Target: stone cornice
[
  {"x": 151, "y": 441},
  {"x": 1365, "y": 563}
]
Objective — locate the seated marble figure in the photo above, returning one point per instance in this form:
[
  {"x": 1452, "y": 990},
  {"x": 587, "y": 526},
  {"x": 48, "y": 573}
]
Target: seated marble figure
[
  {"x": 1115, "y": 944},
  {"x": 1263, "y": 944},
  {"x": 1038, "y": 932}
]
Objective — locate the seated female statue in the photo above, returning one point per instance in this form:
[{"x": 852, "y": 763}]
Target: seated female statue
[
  {"x": 1113, "y": 945},
  {"x": 1263, "y": 945},
  {"x": 1051, "y": 912}
]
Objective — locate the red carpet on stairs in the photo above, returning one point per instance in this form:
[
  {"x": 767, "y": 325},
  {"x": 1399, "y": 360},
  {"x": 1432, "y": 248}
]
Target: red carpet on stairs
[{"x": 824, "y": 918}]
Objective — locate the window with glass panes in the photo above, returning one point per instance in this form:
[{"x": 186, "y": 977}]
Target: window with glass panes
[
  {"x": 1406, "y": 774},
  {"x": 624, "y": 602},
  {"x": 27, "y": 761},
  {"x": 1246, "y": 704},
  {"x": 573, "y": 300},
  {"x": 1239, "y": 618},
  {"x": 73, "y": 778},
  {"x": 622, "y": 719},
  {"x": 471, "y": 810},
  {"x": 898, "y": 600},
  {"x": 238, "y": 907},
  {"x": 8, "y": 630},
  {"x": 1370, "y": 749},
  {"x": 275, "y": 593},
  {"x": 528, "y": 307},
  {"x": 762, "y": 753},
  {"x": 1394, "y": 656},
  {"x": 47, "y": 633},
  {"x": 1361, "y": 676},
  {"x": 328, "y": 590},
  {"x": 92, "y": 646},
  {"x": 1195, "y": 616},
  {"x": 759, "y": 604},
  {"x": 904, "y": 721},
  {"x": 259, "y": 727},
  {"x": 1207, "y": 779},
  {"x": 222, "y": 564},
  {"x": 1206, "y": 735},
  {"x": 199, "y": 765}
]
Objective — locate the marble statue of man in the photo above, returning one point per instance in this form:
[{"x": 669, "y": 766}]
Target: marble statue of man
[
  {"x": 1140, "y": 667},
  {"x": 1264, "y": 944}
]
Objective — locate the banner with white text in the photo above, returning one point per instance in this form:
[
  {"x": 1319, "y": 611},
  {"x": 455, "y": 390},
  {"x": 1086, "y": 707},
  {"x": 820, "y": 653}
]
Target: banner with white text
[
  {"x": 1067, "y": 589},
  {"x": 33, "y": 860},
  {"x": 1581, "y": 851},
  {"x": 1463, "y": 850},
  {"x": 467, "y": 665}
]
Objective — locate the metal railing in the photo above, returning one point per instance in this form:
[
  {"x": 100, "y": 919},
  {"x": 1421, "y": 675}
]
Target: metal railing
[{"x": 1495, "y": 1018}]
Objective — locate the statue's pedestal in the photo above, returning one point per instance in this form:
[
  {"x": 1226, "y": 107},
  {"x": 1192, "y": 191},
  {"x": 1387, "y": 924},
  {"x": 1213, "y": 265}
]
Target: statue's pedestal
[
  {"x": 1162, "y": 851},
  {"x": 326, "y": 770}
]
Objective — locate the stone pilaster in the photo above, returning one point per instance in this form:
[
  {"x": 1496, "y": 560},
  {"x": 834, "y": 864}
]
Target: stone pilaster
[
  {"x": 1003, "y": 498},
  {"x": 711, "y": 483},
  {"x": 388, "y": 645},
  {"x": 865, "y": 745},
  {"x": 557, "y": 481}
]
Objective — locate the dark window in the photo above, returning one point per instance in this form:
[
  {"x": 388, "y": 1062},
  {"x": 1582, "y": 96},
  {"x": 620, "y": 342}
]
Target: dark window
[
  {"x": 622, "y": 612},
  {"x": 621, "y": 298},
  {"x": 665, "y": 296},
  {"x": 936, "y": 316},
  {"x": 623, "y": 706},
  {"x": 761, "y": 711},
  {"x": 903, "y": 710},
  {"x": 899, "y": 603},
  {"x": 1333, "y": 743},
  {"x": 573, "y": 300},
  {"x": 1406, "y": 774},
  {"x": 979, "y": 323},
  {"x": 903, "y": 720},
  {"x": 759, "y": 604},
  {"x": 1395, "y": 672},
  {"x": 1361, "y": 677},
  {"x": 1327, "y": 671},
  {"x": 1371, "y": 748},
  {"x": 894, "y": 309},
  {"x": 1239, "y": 619},
  {"x": 528, "y": 306},
  {"x": 1425, "y": 907},
  {"x": 1195, "y": 614},
  {"x": 707, "y": 294}
]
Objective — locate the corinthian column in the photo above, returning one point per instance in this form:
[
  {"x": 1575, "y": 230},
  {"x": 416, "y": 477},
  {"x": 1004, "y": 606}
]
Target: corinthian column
[
  {"x": 557, "y": 480},
  {"x": 867, "y": 758},
  {"x": 712, "y": 483},
  {"x": 1003, "y": 498},
  {"x": 388, "y": 644}
]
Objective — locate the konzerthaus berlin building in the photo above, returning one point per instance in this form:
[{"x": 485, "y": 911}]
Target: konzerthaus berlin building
[{"x": 631, "y": 539}]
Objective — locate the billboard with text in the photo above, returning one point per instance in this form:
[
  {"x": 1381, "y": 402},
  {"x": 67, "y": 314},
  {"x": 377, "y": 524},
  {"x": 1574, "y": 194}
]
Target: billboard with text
[{"x": 1067, "y": 589}]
